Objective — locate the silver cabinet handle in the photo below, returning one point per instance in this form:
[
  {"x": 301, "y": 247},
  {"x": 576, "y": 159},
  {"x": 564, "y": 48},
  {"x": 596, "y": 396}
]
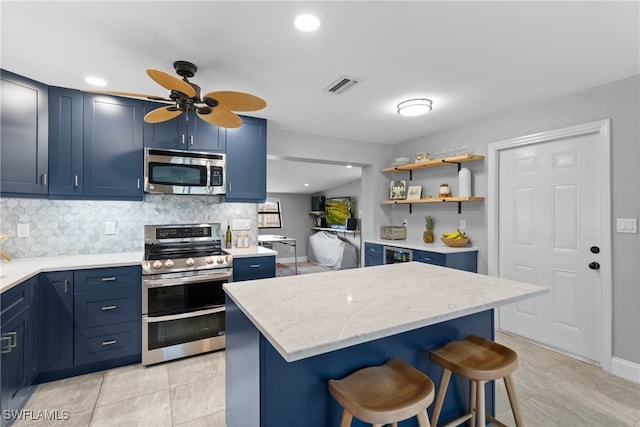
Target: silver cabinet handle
[
  {"x": 44, "y": 179},
  {"x": 254, "y": 266},
  {"x": 108, "y": 279},
  {"x": 8, "y": 349},
  {"x": 190, "y": 139},
  {"x": 109, "y": 307},
  {"x": 13, "y": 334},
  {"x": 110, "y": 342},
  {"x": 75, "y": 178},
  {"x": 66, "y": 286},
  {"x": 138, "y": 183},
  {"x": 183, "y": 139}
]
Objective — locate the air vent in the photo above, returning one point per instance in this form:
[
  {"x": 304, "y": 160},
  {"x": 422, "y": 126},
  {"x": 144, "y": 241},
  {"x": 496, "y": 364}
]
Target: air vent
[{"x": 342, "y": 85}]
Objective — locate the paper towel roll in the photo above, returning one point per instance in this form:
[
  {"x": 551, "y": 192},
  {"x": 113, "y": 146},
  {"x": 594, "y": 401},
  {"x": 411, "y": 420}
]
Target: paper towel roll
[{"x": 464, "y": 183}]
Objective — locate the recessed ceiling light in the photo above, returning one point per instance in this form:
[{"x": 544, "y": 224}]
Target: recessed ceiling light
[
  {"x": 306, "y": 185},
  {"x": 307, "y": 22},
  {"x": 414, "y": 107},
  {"x": 349, "y": 166},
  {"x": 95, "y": 81}
]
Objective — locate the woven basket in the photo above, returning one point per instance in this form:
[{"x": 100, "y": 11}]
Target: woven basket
[{"x": 455, "y": 243}]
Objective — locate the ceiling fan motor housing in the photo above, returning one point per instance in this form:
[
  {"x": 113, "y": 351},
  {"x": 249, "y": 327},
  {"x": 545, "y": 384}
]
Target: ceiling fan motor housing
[{"x": 185, "y": 68}]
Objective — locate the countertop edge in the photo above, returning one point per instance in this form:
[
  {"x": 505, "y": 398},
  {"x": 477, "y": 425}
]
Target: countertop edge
[{"x": 429, "y": 247}]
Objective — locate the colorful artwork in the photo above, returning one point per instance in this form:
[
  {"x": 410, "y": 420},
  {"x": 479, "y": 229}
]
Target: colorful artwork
[{"x": 337, "y": 210}]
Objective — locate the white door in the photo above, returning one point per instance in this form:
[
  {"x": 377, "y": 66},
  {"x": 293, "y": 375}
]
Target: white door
[{"x": 550, "y": 232}]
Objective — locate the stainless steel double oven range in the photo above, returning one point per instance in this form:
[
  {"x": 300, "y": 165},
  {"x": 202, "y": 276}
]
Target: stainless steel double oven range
[{"x": 183, "y": 271}]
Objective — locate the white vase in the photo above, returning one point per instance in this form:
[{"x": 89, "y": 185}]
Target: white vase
[{"x": 464, "y": 183}]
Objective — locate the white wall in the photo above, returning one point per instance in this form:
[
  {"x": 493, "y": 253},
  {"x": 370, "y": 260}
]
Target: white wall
[
  {"x": 618, "y": 101},
  {"x": 296, "y": 223}
]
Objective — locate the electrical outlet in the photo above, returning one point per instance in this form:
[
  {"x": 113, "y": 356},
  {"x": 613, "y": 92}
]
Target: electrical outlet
[
  {"x": 241, "y": 224},
  {"x": 110, "y": 227},
  {"x": 404, "y": 222},
  {"x": 626, "y": 225},
  {"x": 463, "y": 224},
  {"x": 23, "y": 230}
]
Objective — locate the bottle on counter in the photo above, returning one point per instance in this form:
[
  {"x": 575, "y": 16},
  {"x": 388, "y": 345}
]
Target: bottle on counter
[{"x": 228, "y": 240}]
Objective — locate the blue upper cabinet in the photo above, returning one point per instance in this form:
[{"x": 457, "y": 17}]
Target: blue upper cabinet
[
  {"x": 113, "y": 164},
  {"x": 185, "y": 132},
  {"x": 65, "y": 142},
  {"x": 247, "y": 161},
  {"x": 24, "y": 145}
]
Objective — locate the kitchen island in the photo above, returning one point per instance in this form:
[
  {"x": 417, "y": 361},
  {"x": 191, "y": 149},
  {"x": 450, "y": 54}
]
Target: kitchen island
[{"x": 286, "y": 337}]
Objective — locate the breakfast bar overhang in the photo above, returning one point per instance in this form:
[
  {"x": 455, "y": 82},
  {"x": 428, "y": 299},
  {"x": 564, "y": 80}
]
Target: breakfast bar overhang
[{"x": 286, "y": 337}]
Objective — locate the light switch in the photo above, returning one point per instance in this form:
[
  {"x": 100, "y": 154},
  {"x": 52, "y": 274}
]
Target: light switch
[
  {"x": 463, "y": 224},
  {"x": 110, "y": 227},
  {"x": 23, "y": 230},
  {"x": 626, "y": 225}
]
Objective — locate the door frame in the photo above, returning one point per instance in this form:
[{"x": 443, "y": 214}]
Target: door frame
[{"x": 603, "y": 129}]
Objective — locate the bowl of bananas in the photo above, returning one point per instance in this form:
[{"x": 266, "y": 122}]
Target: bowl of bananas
[{"x": 455, "y": 240}]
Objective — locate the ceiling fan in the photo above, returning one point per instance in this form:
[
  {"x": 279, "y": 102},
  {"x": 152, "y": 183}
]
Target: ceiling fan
[{"x": 216, "y": 108}]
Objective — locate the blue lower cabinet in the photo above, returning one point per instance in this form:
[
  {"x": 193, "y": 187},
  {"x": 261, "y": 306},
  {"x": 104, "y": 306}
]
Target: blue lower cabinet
[
  {"x": 55, "y": 343},
  {"x": 467, "y": 261},
  {"x": 104, "y": 343},
  {"x": 252, "y": 268},
  {"x": 373, "y": 254}
]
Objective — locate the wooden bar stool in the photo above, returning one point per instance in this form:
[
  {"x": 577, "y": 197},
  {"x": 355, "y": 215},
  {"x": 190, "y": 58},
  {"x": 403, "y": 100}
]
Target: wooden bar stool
[
  {"x": 384, "y": 394},
  {"x": 480, "y": 360}
]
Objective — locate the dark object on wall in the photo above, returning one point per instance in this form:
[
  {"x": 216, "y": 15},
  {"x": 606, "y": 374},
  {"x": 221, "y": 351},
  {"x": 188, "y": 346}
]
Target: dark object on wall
[
  {"x": 323, "y": 222},
  {"x": 352, "y": 223},
  {"x": 317, "y": 203}
]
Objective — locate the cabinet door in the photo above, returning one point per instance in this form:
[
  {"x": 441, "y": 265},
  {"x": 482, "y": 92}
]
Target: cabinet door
[
  {"x": 252, "y": 268},
  {"x": 166, "y": 135},
  {"x": 55, "y": 346},
  {"x": 206, "y": 137},
  {"x": 373, "y": 254},
  {"x": 112, "y": 147},
  {"x": 247, "y": 161},
  {"x": 24, "y": 127},
  {"x": 65, "y": 142},
  {"x": 429, "y": 257},
  {"x": 15, "y": 377}
]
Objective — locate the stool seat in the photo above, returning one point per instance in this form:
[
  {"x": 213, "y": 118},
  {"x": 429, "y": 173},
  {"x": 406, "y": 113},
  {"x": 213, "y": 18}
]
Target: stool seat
[
  {"x": 480, "y": 360},
  {"x": 384, "y": 394}
]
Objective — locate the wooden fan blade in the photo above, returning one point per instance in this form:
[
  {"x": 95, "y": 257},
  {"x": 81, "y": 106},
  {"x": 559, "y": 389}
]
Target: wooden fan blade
[
  {"x": 170, "y": 82},
  {"x": 161, "y": 114},
  {"x": 129, "y": 94},
  {"x": 237, "y": 101},
  {"x": 222, "y": 118}
]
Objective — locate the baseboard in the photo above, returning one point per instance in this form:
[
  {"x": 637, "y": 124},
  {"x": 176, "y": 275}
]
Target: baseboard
[
  {"x": 291, "y": 260},
  {"x": 625, "y": 369}
]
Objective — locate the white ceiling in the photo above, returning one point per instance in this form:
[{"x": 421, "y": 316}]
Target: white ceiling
[{"x": 471, "y": 58}]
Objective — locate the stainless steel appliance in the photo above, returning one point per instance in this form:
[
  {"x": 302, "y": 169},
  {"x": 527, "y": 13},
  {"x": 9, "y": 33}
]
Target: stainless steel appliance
[
  {"x": 183, "y": 271},
  {"x": 394, "y": 255},
  {"x": 184, "y": 172}
]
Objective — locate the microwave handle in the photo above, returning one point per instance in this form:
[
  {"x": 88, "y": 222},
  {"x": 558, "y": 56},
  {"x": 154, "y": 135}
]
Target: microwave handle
[{"x": 208, "y": 176}]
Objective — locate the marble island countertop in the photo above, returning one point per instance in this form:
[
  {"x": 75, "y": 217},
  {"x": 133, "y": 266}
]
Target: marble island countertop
[{"x": 308, "y": 315}]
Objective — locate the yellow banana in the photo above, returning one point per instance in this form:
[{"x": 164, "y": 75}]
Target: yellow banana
[{"x": 455, "y": 235}]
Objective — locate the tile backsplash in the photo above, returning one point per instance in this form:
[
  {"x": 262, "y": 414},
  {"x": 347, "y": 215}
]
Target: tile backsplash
[{"x": 69, "y": 227}]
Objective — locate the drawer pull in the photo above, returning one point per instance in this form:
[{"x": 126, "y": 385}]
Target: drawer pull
[
  {"x": 66, "y": 286},
  {"x": 110, "y": 342},
  {"x": 427, "y": 259},
  {"x": 109, "y": 307},
  {"x": 12, "y": 337},
  {"x": 108, "y": 279},
  {"x": 254, "y": 266}
]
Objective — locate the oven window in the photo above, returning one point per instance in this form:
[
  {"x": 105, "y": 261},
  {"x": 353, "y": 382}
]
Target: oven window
[
  {"x": 167, "y": 300},
  {"x": 173, "y": 332},
  {"x": 175, "y": 174}
]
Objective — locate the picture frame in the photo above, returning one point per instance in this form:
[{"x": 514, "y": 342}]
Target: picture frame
[
  {"x": 414, "y": 192},
  {"x": 398, "y": 190}
]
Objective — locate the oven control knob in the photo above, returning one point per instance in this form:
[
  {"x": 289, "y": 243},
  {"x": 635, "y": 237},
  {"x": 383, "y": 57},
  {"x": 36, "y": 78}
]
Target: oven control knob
[
  {"x": 168, "y": 263},
  {"x": 220, "y": 260},
  {"x": 228, "y": 259},
  {"x": 190, "y": 262},
  {"x": 157, "y": 264},
  {"x": 209, "y": 260}
]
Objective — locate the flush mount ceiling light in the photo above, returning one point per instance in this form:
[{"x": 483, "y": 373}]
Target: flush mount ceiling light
[
  {"x": 307, "y": 22},
  {"x": 95, "y": 81},
  {"x": 414, "y": 107}
]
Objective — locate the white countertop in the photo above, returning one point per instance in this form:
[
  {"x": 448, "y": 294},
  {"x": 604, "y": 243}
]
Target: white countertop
[
  {"x": 18, "y": 270},
  {"x": 437, "y": 246},
  {"x": 307, "y": 315}
]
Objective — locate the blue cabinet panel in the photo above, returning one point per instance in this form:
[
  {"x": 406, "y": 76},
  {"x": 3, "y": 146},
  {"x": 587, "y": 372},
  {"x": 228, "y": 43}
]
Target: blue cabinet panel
[
  {"x": 24, "y": 128},
  {"x": 374, "y": 254},
  {"x": 430, "y": 258},
  {"x": 107, "y": 307},
  {"x": 108, "y": 279},
  {"x": 252, "y": 268},
  {"x": 185, "y": 132},
  {"x": 467, "y": 261},
  {"x": 55, "y": 344},
  {"x": 103, "y": 343},
  {"x": 247, "y": 161},
  {"x": 65, "y": 142},
  {"x": 113, "y": 145}
]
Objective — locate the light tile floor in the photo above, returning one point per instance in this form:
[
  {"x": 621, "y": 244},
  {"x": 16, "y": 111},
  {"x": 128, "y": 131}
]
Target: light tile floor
[{"x": 553, "y": 390}]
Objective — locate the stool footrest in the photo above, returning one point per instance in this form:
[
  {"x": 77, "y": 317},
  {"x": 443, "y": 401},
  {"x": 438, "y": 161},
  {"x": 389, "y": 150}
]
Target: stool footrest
[
  {"x": 498, "y": 423},
  {"x": 457, "y": 421}
]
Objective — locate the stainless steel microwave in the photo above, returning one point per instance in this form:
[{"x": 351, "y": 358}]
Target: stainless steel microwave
[{"x": 184, "y": 172}]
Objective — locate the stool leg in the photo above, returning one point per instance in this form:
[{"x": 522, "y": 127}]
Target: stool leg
[
  {"x": 423, "y": 418},
  {"x": 346, "y": 418},
  {"x": 513, "y": 400},
  {"x": 442, "y": 390},
  {"x": 472, "y": 402},
  {"x": 480, "y": 414}
]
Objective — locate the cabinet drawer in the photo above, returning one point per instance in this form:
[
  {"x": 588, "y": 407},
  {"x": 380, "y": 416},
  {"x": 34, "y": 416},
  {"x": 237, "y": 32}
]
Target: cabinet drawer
[
  {"x": 107, "y": 307},
  {"x": 14, "y": 300},
  {"x": 429, "y": 257},
  {"x": 107, "y": 342},
  {"x": 373, "y": 249},
  {"x": 254, "y": 268},
  {"x": 99, "y": 279}
]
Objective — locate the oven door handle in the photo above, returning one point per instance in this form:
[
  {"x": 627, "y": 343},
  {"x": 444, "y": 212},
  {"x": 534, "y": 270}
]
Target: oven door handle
[
  {"x": 177, "y": 281},
  {"x": 180, "y": 316}
]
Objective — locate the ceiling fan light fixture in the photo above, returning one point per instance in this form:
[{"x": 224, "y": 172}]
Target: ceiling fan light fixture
[
  {"x": 414, "y": 107},
  {"x": 95, "y": 81}
]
